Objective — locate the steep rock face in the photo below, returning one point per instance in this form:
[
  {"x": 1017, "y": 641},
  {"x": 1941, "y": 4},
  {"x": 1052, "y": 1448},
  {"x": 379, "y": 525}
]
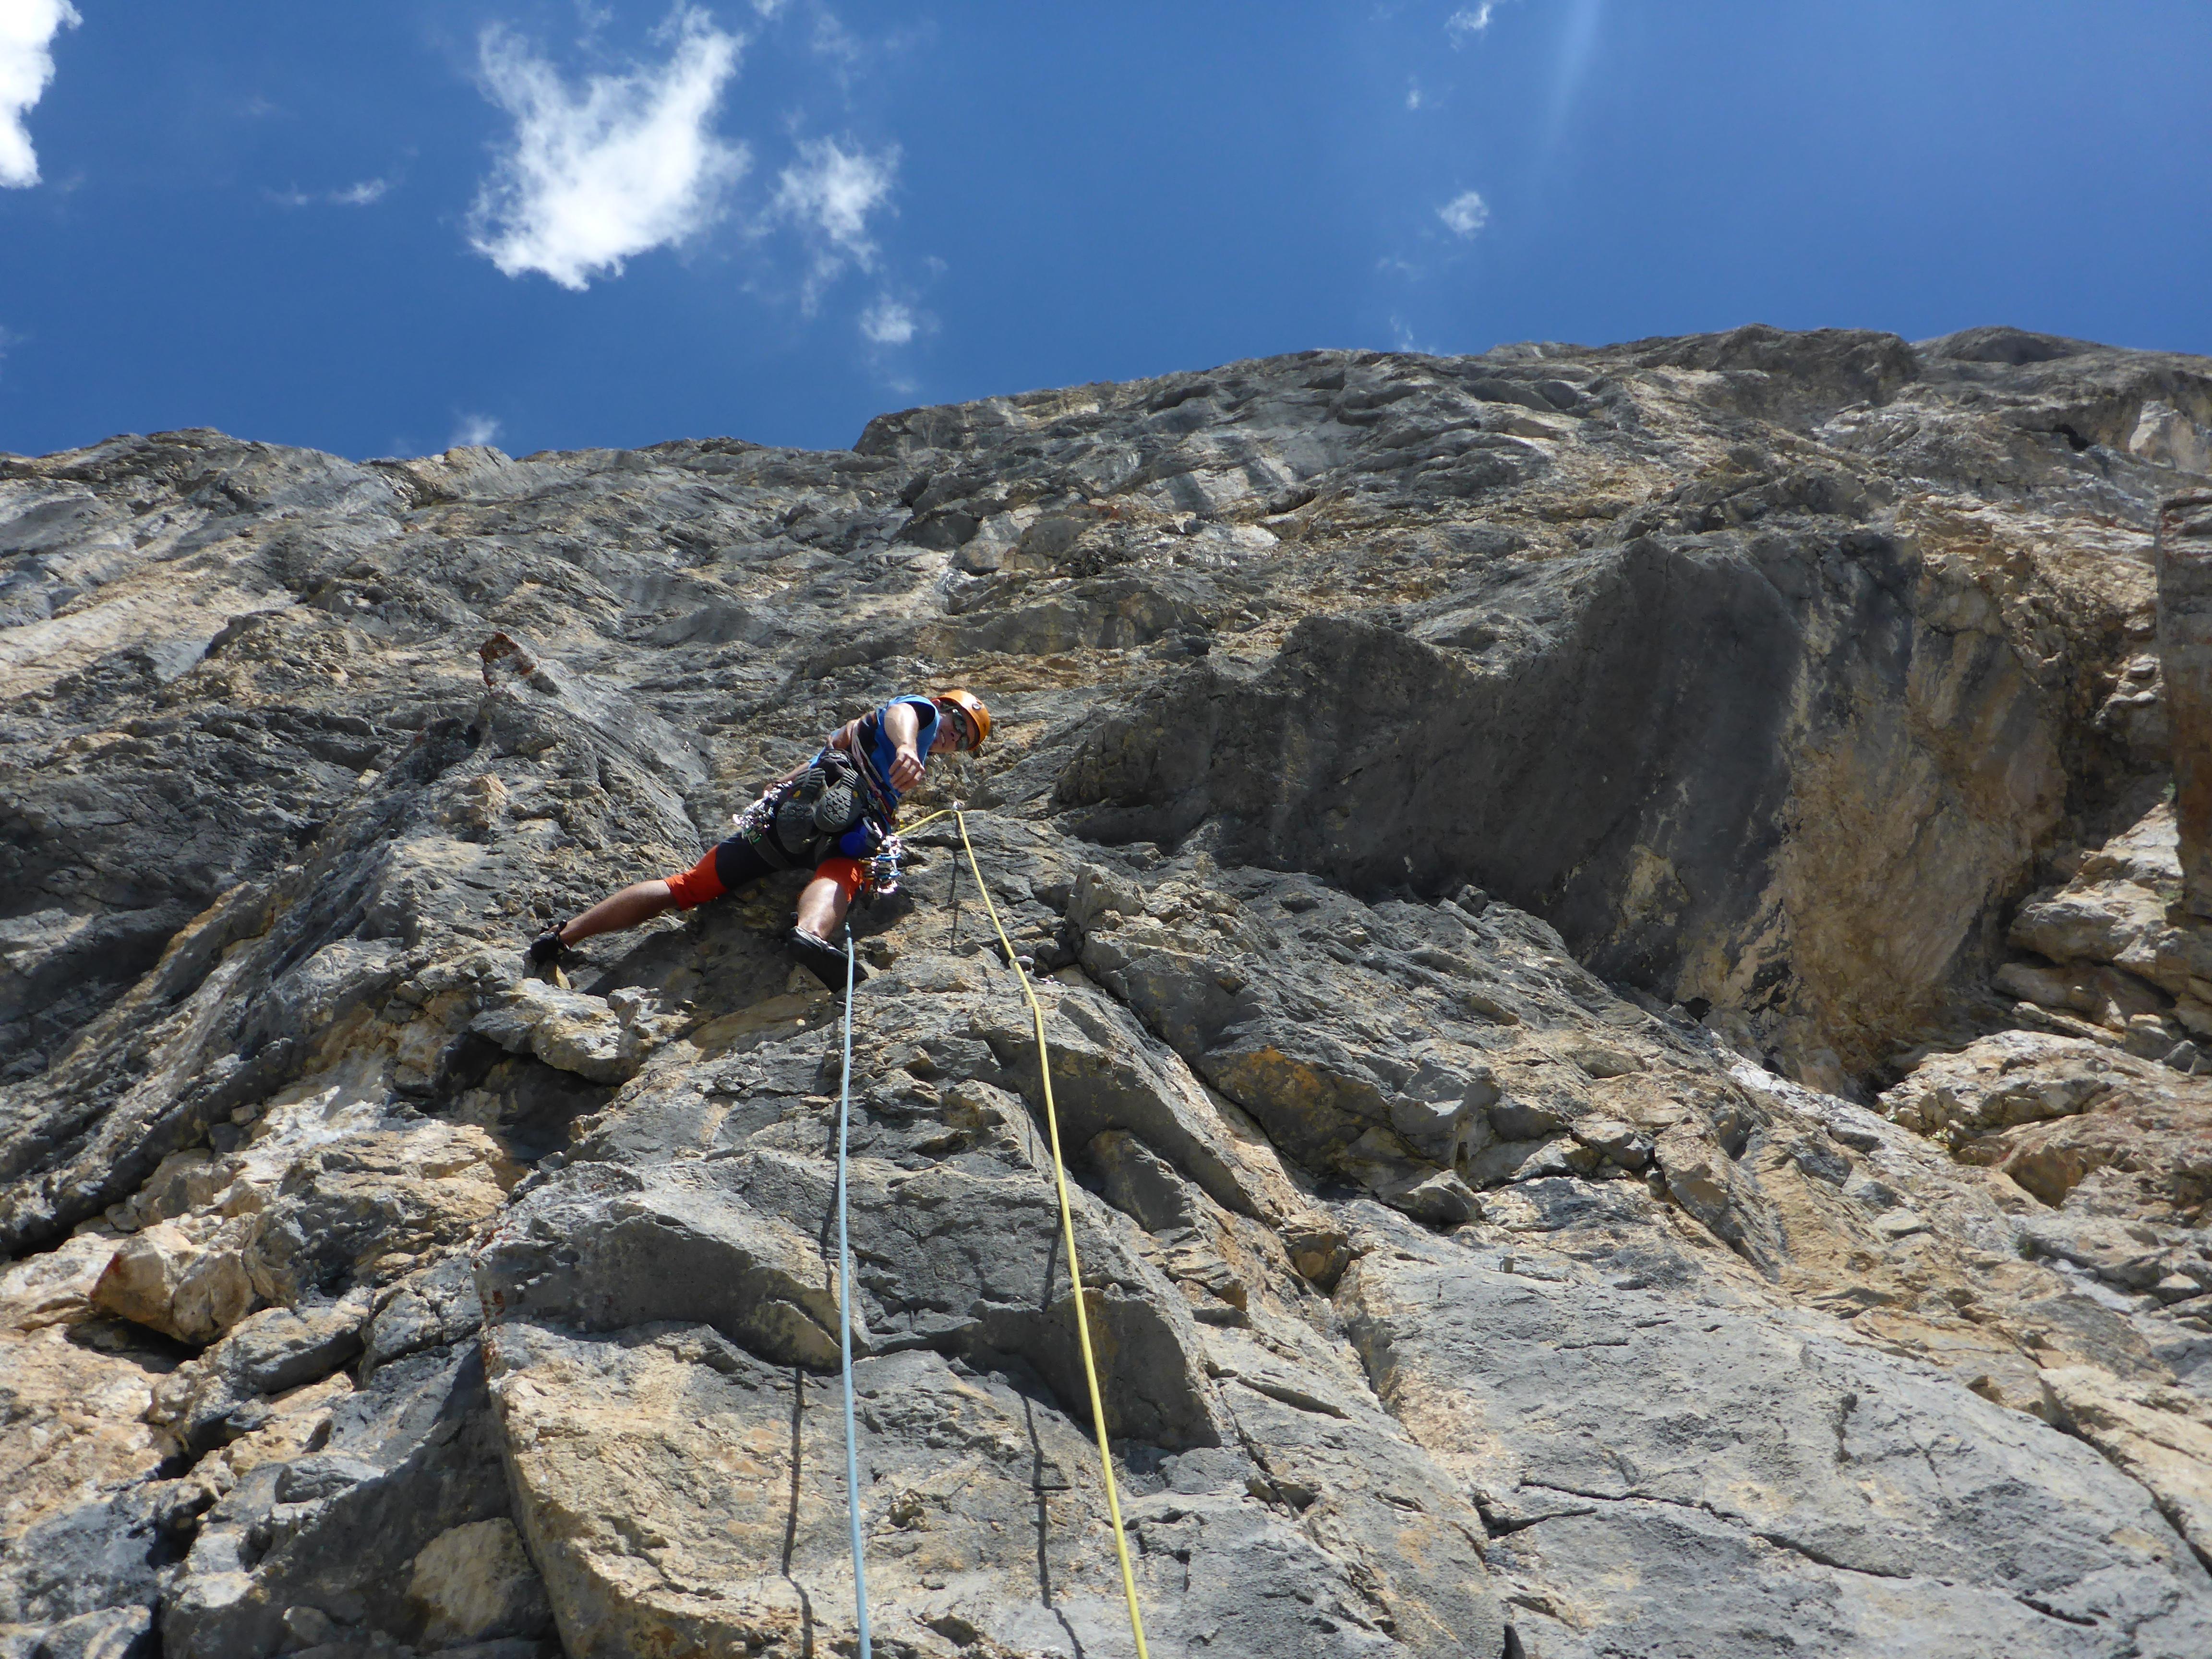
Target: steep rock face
[
  {"x": 1796, "y": 690},
  {"x": 1446, "y": 803}
]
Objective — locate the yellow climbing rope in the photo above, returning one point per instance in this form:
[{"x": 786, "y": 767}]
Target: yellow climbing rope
[
  {"x": 1067, "y": 1229},
  {"x": 908, "y": 829}
]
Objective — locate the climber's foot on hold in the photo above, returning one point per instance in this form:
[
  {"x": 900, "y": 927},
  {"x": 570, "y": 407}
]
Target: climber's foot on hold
[
  {"x": 825, "y": 961},
  {"x": 547, "y": 953}
]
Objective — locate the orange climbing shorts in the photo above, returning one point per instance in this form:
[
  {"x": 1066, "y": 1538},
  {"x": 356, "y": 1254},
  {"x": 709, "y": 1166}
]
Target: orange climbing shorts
[{"x": 731, "y": 863}]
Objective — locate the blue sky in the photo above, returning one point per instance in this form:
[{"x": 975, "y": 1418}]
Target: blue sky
[{"x": 377, "y": 230}]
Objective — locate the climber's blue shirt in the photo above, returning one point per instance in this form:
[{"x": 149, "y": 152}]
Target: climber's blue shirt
[
  {"x": 877, "y": 750},
  {"x": 881, "y": 752}
]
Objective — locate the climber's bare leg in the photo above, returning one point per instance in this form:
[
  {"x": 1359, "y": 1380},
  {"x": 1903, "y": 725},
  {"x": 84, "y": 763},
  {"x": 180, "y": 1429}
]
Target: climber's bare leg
[
  {"x": 640, "y": 901},
  {"x": 822, "y": 906}
]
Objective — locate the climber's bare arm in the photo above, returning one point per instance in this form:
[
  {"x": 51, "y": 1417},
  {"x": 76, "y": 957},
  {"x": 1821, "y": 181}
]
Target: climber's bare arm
[{"x": 904, "y": 727}]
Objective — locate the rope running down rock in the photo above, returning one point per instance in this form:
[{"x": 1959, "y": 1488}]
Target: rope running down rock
[
  {"x": 845, "y": 1314},
  {"x": 1067, "y": 1229}
]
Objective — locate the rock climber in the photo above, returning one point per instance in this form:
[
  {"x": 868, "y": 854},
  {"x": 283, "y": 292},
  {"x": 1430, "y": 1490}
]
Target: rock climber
[{"x": 833, "y": 813}]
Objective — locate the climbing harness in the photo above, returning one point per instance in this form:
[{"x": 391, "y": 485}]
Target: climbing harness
[
  {"x": 845, "y": 1317},
  {"x": 1067, "y": 1230}
]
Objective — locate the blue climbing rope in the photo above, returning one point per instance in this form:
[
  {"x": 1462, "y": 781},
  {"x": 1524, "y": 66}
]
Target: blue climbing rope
[{"x": 845, "y": 1313}]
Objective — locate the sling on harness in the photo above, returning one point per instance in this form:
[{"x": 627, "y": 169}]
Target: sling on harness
[{"x": 880, "y": 798}]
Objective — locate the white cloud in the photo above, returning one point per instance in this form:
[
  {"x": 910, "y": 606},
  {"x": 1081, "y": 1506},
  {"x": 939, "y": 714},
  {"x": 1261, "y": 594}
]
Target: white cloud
[
  {"x": 1465, "y": 214},
  {"x": 832, "y": 39},
  {"x": 473, "y": 429},
  {"x": 829, "y": 194},
  {"x": 834, "y": 192},
  {"x": 1463, "y": 24},
  {"x": 27, "y": 29},
  {"x": 1401, "y": 336},
  {"x": 889, "y": 322},
  {"x": 623, "y": 165},
  {"x": 360, "y": 195},
  {"x": 1413, "y": 97}
]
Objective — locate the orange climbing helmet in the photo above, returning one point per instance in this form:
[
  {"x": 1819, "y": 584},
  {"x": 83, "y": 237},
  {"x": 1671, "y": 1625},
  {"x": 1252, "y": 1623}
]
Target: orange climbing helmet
[{"x": 978, "y": 718}]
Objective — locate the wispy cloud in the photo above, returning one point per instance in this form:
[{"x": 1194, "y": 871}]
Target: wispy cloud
[
  {"x": 598, "y": 174},
  {"x": 360, "y": 195},
  {"x": 1402, "y": 338},
  {"x": 1578, "y": 42},
  {"x": 849, "y": 55},
  {"x": 1412, "y": 95},
  {"x": 473, "y": 429},
  {"x": 1465, "y": 214},
  {"x": 1468, "y": 21},
  {"x": 829, "y": 194},
  {"x": 27, "y": 29},
  {"x": 830, "y": 39},
  {"x": 889, "y": 322}
]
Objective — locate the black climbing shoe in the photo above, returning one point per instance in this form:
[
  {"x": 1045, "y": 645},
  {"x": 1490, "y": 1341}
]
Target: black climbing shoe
[
  {"x": 825, "y": 961},
  {"x": 546, "y": 950}
]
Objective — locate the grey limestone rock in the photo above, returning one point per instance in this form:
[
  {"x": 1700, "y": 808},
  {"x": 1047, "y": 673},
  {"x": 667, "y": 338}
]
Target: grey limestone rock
[
  {"x": 1486, "y": 832},
  {"x": 1621, "y": 1425}
]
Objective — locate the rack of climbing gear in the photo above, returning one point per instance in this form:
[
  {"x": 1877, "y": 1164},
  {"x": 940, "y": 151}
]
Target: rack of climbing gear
[
  {"x": 845, "y": 1313},
  {"x": 879, "y": 876}
]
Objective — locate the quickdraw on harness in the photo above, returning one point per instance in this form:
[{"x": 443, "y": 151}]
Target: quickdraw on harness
[{"x": 880, "y": 873}]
